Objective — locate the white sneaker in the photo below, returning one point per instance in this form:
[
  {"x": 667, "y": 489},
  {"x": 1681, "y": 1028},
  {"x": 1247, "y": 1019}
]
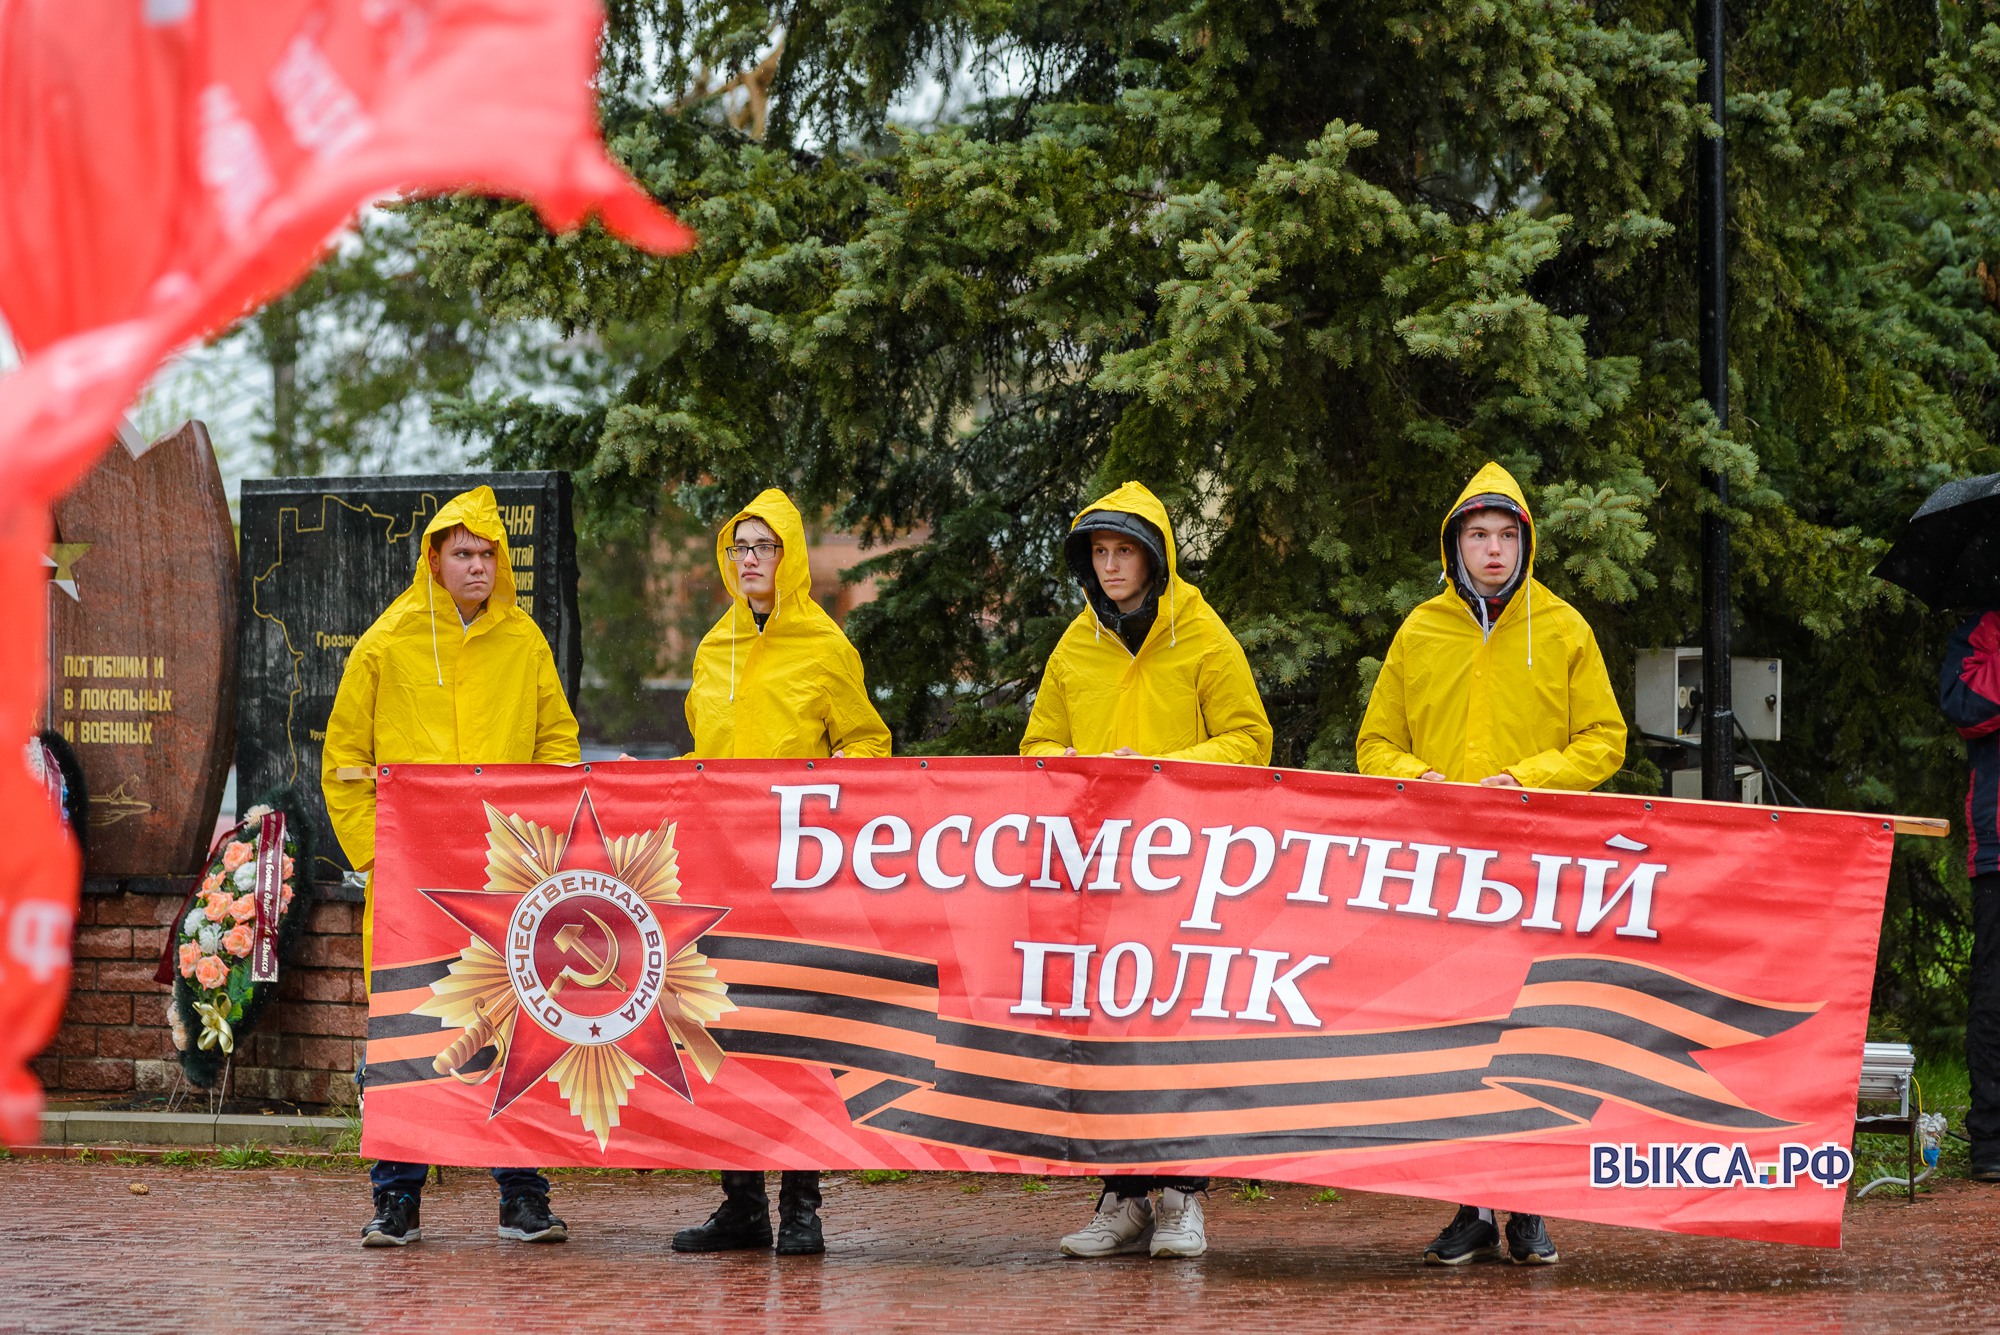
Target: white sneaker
[
  {"x": 1180, "y": 1230},
  {"x": 1119, "y": 1228}
]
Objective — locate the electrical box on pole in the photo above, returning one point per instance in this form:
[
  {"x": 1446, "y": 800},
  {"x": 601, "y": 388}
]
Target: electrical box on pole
[{"x": 1667, "y": 699}]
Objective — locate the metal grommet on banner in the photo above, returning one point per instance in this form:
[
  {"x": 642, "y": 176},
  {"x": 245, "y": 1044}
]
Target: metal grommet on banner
[
  {"x": 477, "y": 769},
  {"x": 1156, "y": 769},
  {"x": 1774, "y": 815},
  {"x": 1649, "y": 806},
  {"x": 1524, "y": 799},
  {"x": 1039, "y": 765},
  {"x": 1885, "y": 824},
  {"x": 1277, "y": 778},
  {"x": 1399, "y": 787},
  {"x": 698, "y": 766},
  {"x": 923, "y": 764},
  {"x": 809, "y": 764},
  {"x": 385, "y": 771},
  {"x": 586, "y": 769}
]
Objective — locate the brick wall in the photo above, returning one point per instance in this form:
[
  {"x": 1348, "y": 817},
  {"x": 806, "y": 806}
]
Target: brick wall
[{"x": 114, "y": 1038}]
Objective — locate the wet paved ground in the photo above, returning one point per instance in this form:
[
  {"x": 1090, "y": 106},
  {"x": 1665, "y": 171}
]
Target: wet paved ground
[{"x": 214, "y": 1250}]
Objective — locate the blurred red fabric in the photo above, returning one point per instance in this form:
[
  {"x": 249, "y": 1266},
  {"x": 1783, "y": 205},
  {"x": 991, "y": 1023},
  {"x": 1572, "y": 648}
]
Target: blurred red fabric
[{"x": 166, "y": 166}]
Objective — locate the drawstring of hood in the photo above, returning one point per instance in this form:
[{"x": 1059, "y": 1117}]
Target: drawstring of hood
[{"x": 430, "y": 615}]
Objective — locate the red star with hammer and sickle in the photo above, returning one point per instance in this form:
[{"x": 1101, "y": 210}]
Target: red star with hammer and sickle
[{"x": 534, "y": 1049}]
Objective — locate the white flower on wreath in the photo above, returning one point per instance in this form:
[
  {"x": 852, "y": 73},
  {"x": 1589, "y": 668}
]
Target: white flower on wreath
[
  {"x": 255, "y": 813},
  {"x": 246, "y": 877},
  {"x": 210, "y": 937},
  {"x": 192, "y": 924}
]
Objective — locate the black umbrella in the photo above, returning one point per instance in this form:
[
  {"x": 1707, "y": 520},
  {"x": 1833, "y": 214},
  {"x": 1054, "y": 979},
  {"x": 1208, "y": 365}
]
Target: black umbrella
[{"x": 1949, "y": 556}]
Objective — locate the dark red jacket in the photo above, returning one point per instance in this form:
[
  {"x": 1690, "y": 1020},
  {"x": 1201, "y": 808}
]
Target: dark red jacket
[{"x": 1969, "y": 694}]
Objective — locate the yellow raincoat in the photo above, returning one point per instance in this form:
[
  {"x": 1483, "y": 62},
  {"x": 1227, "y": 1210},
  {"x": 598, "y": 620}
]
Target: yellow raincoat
[
  {"x": 1531, "y": 698},
  {"x": 422, "y": 689},
  {"x": 1186, "y": 695},
  {"x": 792, "y": 691}
]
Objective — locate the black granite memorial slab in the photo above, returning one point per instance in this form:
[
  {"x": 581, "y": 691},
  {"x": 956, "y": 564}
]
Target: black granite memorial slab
[{"x": 323, "y": 557}]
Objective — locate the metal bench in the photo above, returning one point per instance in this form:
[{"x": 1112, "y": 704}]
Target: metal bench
[{"x": 1887, "y": 1070}]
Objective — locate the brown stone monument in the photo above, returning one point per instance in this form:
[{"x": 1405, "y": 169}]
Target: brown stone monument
[{"x": 142, "y": 653}]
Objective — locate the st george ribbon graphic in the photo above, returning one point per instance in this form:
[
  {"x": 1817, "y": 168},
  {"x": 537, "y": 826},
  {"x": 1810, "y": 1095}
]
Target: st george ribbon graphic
[{"x": 1601, "y": 1007}]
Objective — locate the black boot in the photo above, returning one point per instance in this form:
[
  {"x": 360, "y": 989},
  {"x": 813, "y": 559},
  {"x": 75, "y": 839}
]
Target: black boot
[
  {"x": 798, "y": 1215},
  {"x": 743, "y": 1222}
]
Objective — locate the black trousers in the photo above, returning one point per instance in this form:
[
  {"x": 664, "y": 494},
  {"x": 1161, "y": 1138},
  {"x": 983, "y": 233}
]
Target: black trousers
[
  {"x": 1128, "y": 1188},
  {"x": 1982, "y": 1021},
  {"x": 749, "y": 1187}
]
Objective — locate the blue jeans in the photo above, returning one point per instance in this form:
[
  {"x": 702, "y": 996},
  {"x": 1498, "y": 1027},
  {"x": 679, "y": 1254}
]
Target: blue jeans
[{"x": 410, "y": 1177}]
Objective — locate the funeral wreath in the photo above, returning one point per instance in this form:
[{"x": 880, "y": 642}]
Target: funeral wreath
[{"x": 242, "y": 916}]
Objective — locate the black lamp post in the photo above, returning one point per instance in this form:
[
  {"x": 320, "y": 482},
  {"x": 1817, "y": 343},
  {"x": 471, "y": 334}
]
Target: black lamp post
[{"x": 1718, "y": 724}]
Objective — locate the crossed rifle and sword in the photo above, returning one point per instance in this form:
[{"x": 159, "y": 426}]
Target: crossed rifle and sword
[{"x": 602, "y": 971}]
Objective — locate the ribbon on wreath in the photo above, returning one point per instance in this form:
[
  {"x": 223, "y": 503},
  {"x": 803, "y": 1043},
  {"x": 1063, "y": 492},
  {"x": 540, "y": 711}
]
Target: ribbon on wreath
[{"x": 269, "y": 892}]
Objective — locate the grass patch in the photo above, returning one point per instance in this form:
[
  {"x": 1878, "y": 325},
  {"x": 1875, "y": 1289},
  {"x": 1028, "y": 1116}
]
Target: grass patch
[
  {"x": 1324, "y": 1196},
  {"x": 1251, "y": 1191},
  {"x": 247, "y": 1155},
  {"x": 179, "y": 1159},
  {"x": 1033, "y": 1185},
  {"x": 875, "y": 1177},
  {"x": 127, "y": 1159},
  {"x": 970, "y": 1188},
  {"x": 86, "y": 1155}
]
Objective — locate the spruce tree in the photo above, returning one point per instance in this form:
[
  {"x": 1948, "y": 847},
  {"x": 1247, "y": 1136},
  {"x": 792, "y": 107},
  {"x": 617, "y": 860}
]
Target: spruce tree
[{"x": 1302, "y": 268}]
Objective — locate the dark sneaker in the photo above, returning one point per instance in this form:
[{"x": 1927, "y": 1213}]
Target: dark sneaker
[
  {"x": 1985, "y": 1170},
  {"x": 526, "y": 1218},
  {"x": 1528, "y": 1241},
  {"x": 1466, "y": 1238},
  {"x": 395, "y": 1221},
  {"x": 735, "y": 1227}
]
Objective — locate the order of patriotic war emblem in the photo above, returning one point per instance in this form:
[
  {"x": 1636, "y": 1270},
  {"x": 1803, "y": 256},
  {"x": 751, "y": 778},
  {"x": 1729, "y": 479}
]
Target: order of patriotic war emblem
[{"x": 582, "y": 968}]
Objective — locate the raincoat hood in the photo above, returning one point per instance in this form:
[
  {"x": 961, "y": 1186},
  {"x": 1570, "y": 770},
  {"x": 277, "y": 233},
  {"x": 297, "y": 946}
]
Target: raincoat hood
[
  {"x": 1491, "y": 488},
  {"x": 1116, "y": 513},
  {"x": 479, "y": 511},
  {"x": 792, "y": 689},
  {"x": 1133, "y": 498},
  {"x": 794, "y": 581}
]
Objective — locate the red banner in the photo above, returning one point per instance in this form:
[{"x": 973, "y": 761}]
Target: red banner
[{"x": 1614, "y": 1008}]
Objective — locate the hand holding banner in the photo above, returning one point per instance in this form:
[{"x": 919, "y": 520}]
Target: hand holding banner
[{"x": 1539, "y": 1001}]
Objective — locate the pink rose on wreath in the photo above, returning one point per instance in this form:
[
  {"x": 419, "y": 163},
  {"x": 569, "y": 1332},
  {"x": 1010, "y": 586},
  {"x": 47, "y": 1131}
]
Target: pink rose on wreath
[
  {"x": 237, "y": 941},
  {"x": 211, "y": 882},
  {"x": 210, "y": 972},
  {"x": 243, "y": 908},
  {"x": 284, "y": 899},
  {"x": 285, "y": 872},
  {"x": 215, "y": 906},
  {"x": 190, "y": 956},
  {"x": 236, "y": 855}
]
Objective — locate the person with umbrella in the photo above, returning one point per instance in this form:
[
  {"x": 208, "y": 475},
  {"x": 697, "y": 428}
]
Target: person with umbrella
[{"x": 1949, "y": 556}]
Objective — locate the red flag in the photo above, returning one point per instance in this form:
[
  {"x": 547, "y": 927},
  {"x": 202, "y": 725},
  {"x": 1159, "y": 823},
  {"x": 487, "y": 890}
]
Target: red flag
[{"x": 166, "y": 165}]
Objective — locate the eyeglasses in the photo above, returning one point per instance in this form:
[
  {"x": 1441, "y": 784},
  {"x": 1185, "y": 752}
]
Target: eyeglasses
[{"x": 765, "y": 550}]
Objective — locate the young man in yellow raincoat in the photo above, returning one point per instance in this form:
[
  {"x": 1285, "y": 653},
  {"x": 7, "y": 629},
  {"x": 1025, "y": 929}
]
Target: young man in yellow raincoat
[
  {"x": 454, "y": 673},
  {"x": 1146, "y": 669},
  {"x": 1499, "y": 682},
  {"x": 775, "y": 680}
]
